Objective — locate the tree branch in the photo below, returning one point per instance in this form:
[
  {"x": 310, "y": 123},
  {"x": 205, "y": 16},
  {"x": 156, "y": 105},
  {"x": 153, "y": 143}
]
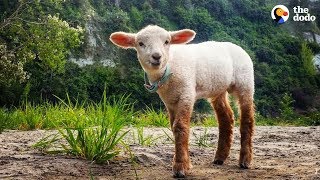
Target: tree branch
[{"x": 15, "y": 15}]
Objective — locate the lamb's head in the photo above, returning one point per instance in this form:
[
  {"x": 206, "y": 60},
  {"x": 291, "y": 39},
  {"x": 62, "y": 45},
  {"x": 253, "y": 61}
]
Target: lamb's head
[{"x": 152, "y": 44}]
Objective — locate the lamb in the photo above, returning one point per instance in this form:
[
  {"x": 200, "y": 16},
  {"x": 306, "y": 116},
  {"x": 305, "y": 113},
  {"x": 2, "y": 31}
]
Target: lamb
[{"x": 182, "y": 73}]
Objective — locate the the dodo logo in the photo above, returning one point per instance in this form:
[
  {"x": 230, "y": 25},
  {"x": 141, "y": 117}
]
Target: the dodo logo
[{"x": 280, "y": 14}]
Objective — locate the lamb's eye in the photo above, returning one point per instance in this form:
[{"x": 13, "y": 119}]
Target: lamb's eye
[
  {"x": 167, "y": 42},
  {"x": 141, "y": 44}
]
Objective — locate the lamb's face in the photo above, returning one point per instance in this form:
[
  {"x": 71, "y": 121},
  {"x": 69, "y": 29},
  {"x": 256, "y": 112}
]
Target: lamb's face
[{"x": 152, "y": 45}]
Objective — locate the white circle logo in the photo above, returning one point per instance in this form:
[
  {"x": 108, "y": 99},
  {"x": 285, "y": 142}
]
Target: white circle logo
[{"x": 280, "y": 14}]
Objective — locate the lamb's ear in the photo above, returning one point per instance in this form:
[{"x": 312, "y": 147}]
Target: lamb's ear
[
  {"x": 182, "y": 36},
  {"x": 123, "y": 40}
]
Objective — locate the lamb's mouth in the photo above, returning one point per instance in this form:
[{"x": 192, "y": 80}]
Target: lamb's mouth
[{"x": 155, "y": 63}]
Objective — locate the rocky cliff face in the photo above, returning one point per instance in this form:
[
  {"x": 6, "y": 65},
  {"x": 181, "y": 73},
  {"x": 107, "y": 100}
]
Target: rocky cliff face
[{"x": 95, "y": 47}]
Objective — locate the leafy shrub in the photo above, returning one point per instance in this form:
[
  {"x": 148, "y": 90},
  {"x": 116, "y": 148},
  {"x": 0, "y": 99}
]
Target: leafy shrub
[{"x": 287, "y": 111}]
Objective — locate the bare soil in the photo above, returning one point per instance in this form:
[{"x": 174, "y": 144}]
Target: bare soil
[{"x": 279, "y": 153}]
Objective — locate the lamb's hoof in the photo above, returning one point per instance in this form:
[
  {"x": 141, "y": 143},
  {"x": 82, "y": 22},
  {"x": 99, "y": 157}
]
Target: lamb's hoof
[
  {"x": 179, "y": 174},
  {"x": 218, "y": 162},
  {"x": 244, "y": 166}
]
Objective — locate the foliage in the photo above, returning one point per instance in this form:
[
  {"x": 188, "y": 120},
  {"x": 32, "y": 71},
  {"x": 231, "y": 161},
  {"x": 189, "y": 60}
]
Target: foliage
[
  {"x": 287, "y": 111},
  {"x": 152, "y": 117},
  {"x": 203, "y": 139},
  {"x": 10, "y": 70},
  {"x": 142, "y": 138},
  {"x": 98, "y": 142},
  {"x": 28, "y": 34},
  {"x": 35, "y": 36},
  {"x": 209, "y": 122},
  {"x": 3, "y": 120},
  {"x": 307, "y": 59}
]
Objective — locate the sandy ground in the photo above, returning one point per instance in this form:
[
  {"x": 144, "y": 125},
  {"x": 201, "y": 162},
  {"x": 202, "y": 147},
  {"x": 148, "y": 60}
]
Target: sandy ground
[{"x": 279, "y": 153}]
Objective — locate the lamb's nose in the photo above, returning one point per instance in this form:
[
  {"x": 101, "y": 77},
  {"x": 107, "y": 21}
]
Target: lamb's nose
[{"x": 156, "y": 56}]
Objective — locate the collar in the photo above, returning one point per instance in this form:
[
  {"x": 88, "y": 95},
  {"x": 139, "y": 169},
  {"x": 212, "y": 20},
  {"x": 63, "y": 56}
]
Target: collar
[{"x": 153, "y": 87}]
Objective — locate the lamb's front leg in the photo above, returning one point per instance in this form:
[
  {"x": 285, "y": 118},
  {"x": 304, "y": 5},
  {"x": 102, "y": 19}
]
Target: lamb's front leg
[{"x": 181, "y": 129}]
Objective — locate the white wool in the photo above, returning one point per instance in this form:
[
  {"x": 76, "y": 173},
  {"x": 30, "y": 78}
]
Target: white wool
[{"x": 208, "y": 69}]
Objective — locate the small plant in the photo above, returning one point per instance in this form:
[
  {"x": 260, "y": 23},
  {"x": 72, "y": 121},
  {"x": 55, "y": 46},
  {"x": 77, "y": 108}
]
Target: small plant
[
  {"x": 203, "y": 139},
  {"x": 3, "y": 119},
  {"x": 32, "y": 117},
  {"x": 286, "y": 104},
  {"x": 98, "y": 141},
  {"x": 98, "y": 144},
  {"x": 144, "y": 140},
  {"x": 169, "y": 137},
  {"x": 314, "y": 119},
  {"x": 46, "y": 143},
  {"x": 210, "y": 122},
  {"x": 132, "y": 159}
]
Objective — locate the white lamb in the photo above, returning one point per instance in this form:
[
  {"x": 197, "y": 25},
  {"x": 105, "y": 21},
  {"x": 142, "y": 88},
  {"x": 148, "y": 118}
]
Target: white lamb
[{"x": 182, "y": 73}]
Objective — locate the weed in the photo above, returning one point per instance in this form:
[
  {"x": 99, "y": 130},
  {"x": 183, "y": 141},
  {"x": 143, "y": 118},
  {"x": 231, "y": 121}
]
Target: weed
[
  {"x": 99, "y": 143},
  {"x": 46, "y": 143},
  {"x": 286, "y": 107},
  {"x": 203, "y": 139},
  {"x": 210, "y": 122},
  {"x": 91, "y": 174},
  {"x": 132, "y": 159},
  {"x": 169, "y": 137},
  {"x": 31, "y": 117},
  {"x": 95, "y": 138},
  {"x": 144, "y": 140},
  {"x": 3, "y": 120}
]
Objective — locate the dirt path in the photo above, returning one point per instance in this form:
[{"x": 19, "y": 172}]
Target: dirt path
[{"x": 280, "y": 153}]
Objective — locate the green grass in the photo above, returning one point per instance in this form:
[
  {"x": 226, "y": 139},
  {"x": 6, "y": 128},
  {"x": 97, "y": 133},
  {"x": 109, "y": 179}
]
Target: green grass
[
  {"x": 94, "y": 131},
  {"x": 142, "y": 139},
  {"x": 67, "y": 114},
  {"x": 203, "y": 139},
  {"x": 3, "y": 119},
  {"x": 99, "y": 143},
  {"x": 207, "y": 122},
  {"x": 93, "y": 137},
  {"x": 152, "y": 117},
  {"x": 312, "y": 119},
  {"x": 64, "y": 114}
]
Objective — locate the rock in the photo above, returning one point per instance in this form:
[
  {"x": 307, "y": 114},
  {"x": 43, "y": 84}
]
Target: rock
[{"x": 148, "y": 159}]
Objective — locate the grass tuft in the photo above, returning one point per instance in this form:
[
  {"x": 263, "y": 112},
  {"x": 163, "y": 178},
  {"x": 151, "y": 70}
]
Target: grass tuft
[
  {"x": 152, "y": 117},
  {"x": 93, "y": 136},
  {"x": 203, "y": 139},
  {"x": 144, "y": 140}
]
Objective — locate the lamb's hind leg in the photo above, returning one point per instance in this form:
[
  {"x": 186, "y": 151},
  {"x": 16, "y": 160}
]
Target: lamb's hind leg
[
  {"x": 246, "y": 128},
  {"x": 224, "y": 114}
]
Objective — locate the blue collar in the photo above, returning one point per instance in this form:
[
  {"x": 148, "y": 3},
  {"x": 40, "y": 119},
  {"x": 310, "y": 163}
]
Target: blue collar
[{"x": 153, "y": 87}]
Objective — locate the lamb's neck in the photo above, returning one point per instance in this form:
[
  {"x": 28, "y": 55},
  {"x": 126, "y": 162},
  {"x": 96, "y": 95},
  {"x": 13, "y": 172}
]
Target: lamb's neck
[{"x": 156, "y": 75}]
